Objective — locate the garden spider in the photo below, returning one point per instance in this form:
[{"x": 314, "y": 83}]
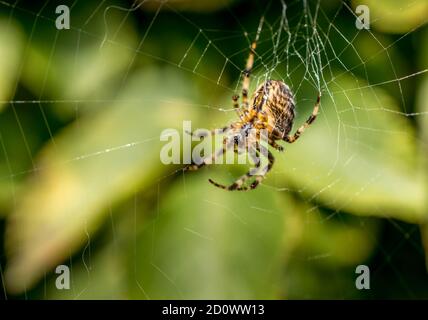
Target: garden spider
[{"x": 272, "y": 108}]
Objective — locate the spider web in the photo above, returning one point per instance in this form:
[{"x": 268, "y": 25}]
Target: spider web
[{"x": 301, "y": 43}]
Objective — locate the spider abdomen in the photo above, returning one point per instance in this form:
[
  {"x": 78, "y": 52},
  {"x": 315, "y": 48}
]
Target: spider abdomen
[{"x": 275, "y": 99}]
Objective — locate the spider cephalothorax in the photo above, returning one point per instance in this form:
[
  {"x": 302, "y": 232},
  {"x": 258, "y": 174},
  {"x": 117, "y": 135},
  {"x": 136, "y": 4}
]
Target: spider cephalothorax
[{"x": 271, "y": 109}]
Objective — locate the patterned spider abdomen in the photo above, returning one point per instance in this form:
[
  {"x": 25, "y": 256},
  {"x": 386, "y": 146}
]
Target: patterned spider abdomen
[{"x": 275, "y": 99}]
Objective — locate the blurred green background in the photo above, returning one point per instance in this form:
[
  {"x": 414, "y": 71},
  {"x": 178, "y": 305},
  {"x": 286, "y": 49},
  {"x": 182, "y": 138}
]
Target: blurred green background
[{"x": 81, "y": 182}]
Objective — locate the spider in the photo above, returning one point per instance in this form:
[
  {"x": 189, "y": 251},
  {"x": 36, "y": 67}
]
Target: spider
[{"x": 272, "y": 108}]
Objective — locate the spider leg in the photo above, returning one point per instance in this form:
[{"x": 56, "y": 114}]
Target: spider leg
[
  {"x": 247, "y": 73},
  {"x": 312, "y": 117},
  {"x": 275, "y": 145},
  {"x": 259, "y": 178},
  {"x": 238, "y": 183},
  {"x": 235, "y": 102},
  {"x": 195, "y": 166}
]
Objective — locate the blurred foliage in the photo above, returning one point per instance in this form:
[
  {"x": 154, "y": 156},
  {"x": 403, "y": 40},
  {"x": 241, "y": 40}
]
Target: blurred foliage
[
  {"x": 81, "y": 182},
  {"x": 9, "y": 59},
  {"x": 395, "y": 16},
  {"x": 186, "y": 5}
]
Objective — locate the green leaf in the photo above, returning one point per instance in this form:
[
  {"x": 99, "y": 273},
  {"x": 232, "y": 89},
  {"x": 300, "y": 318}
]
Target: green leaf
[
  {"x": 11, "y": 43},
  {"x": 359, "y": 156},
  {"x": 92, "y": 70},
  {"x": 117, "y": 152},
  {"x": 208, "y": 243},
  {"x": 97, "y": 275},
  {"x": 328, "y": 249},
  {"x": 422, "y": 110},
  {"x": 393, "y": 17}
]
